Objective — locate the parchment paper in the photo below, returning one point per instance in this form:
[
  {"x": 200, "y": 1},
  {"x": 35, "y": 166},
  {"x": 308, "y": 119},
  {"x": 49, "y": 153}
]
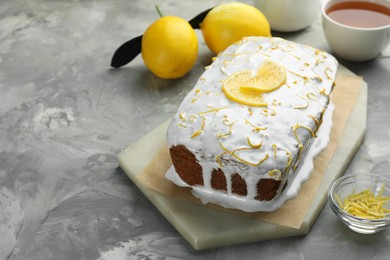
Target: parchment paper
[{"x": 292, "y": 212}]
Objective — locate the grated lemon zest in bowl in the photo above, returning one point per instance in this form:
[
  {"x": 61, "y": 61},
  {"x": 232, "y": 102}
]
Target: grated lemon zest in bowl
[{"x": 365, "y": 204}]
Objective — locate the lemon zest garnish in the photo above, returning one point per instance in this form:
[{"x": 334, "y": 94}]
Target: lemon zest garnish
[
  {"x": 242, "y": 53},
  {"x": 318, "y": 52},
  {"x": 276, "y": 103},
  {"x": 268, "y": 112},
  {"x": 273, "y": 112},
  {"x": 311, "y": 96},
  {"x": 193, "y": 118},
  {"x": 233, "y": 153},
  {"x": 235, "y": 54},
  {"x": 267, "y": 55},
  {"x": 289, "y": 160},
  {"x": 198, "y": 91},
  {"x": 297, "y": 74},
  {"x": 315, "y": 120},
  {"x": 227, "y": 123},
  {"x": 326, "y": 73},
  {"x": 253, "y": 164},
  {"x": 275, "y": 148},
  {"x": 303, "y": 106},
  {"x": 297, "y": 126},
  {"x": 322, "y": 92},
  {"x": 196, "y": 133},
  {"x": 275, "y": 173},
  {"x": 318, "y": 61},
  {"x": 300, "y": 145},
  {"x": 255, "y": 128},
  {"x": 201, "y": 129},
  {"x": 182, "y": 125},
  {"x": 182, "y": 116},
  {"x": 298, "y": 58},
  {"x": 321, "y": 119},
  {"x": 318, "y": 78},
  {"x": 255, "y": 146},
  {"x": 216, "y": 109},
  {"x": 365, "y": 204}
]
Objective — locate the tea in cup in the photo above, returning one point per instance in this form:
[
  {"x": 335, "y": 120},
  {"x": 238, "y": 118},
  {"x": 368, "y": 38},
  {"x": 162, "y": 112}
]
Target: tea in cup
[{"x": 357, "y": 30}]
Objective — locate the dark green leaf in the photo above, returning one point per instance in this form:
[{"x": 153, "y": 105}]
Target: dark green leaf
[
  {"x": 197, "y": 20},
  {"x": 127, "y": 52}
]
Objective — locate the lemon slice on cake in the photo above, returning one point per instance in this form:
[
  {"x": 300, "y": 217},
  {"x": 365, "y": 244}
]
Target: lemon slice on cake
[
  {"x": 269, "y": 77},
  {"x": 235, "y": 87},
  {"x": 245, "y": 88}
]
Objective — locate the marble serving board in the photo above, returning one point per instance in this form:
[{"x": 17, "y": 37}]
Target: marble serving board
[{"x": 205, "y": 227}]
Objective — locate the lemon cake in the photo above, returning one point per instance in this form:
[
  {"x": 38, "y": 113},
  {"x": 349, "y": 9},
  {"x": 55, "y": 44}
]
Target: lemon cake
[{"x": 243, "y": 130}]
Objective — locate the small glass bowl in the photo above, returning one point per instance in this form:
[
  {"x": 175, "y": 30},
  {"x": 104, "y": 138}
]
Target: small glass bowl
[{"x": 349, "y": 184}]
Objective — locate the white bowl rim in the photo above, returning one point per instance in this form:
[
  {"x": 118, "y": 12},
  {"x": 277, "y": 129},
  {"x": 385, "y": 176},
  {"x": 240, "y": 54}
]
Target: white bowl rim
[{"x": 328, "y": 3}]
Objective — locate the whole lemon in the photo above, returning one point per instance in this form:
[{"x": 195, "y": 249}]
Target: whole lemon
[
  {"x": 227, "y": 23},
  {"x": 169, "y": 47}
]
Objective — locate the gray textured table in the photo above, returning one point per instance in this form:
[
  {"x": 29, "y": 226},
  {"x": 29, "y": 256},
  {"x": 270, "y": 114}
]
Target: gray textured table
[{"x": 65, "y": 115}]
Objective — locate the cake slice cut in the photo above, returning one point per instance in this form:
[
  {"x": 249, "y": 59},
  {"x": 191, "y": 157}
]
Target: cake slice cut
[{"x": 243, "y": 130}]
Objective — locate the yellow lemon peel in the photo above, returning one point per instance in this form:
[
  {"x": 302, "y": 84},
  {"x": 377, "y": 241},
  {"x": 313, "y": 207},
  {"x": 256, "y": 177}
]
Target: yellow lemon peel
[{"x": 365, "y": 204}]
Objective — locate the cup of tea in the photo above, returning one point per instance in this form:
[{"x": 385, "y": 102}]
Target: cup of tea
[
  {"x": 289, "y": 15},
  {"x": 356, "y": 30}
]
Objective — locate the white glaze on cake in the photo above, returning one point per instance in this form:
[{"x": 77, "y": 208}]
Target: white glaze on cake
[{"x": 227, "y": 135}]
